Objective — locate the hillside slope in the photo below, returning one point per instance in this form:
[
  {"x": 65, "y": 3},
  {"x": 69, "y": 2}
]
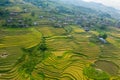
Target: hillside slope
[
  {"x": 49, "y": 40},
  {"x": 96, "y": 6}
]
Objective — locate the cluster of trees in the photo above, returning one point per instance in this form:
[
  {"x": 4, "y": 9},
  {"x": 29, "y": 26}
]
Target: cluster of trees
[
  {"x": 4, "y": 2},
  {"x": 95, "y": 21},
  {"x": 18, "y": 22},
  {"x": 3, "y": 13},
  {"x": 96, "y": 74},
  {"x": 103, "y": 35},
  {"x": 43, "y": 46},
  {"x": 35, "y": 54},
  {"x": 40, "y": 3}
]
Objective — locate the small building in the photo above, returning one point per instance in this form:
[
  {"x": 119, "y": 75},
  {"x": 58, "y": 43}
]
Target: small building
[
  {"x": 9, "y": 21},
  {"x": 65, "y": 23},
  {"x": 86, "y": 29},
  {"x": 11, "y": 18},
  {"x": 41, "y": 17},
  {"x": 22, "y": 25},
  {"x": 14, "y": 13},
  {"x": 4, "y": 55},
  {"x": 58, "y": 25},
  {"x": 39, "y": 6},
  {"x": 69, "y": 36},
  {"x": 25, "y": 10},
  {"x": 20, "y": 21},
  {"x": 102, "y": 40},
  {"x": 35, "y": 23}
]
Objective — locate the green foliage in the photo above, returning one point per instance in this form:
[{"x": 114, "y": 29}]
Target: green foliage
[
  {"x": 43, "y": 46},
  {"x": 3, "y": 12},
  {"x": 103, "y": 27},
  {"x": 4, "y": 1},
  {"x": 42, "y": 3},
  {"x": 94, "y": 39},
  {"x": 68, "y": 29},
  {"x": 33, "y": 14},
  {"x": 103, "y": 35},
  {"x": 28, "y": 66},
  {"x": 95, "y": 74},
  {"x": 33, "y": 54}
]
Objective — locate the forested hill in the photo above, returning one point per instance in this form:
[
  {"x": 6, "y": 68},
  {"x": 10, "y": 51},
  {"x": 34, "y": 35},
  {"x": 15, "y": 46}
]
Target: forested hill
[
  {"x": 62, "y": 11},
  {"x": 96, "y": 6}
]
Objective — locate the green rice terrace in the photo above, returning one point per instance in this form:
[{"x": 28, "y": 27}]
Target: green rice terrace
[{"x": 36, "y": 45}]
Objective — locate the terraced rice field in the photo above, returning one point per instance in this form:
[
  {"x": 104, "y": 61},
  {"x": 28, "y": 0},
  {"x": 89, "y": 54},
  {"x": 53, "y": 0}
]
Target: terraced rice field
[{"x": 69, "y": 51}]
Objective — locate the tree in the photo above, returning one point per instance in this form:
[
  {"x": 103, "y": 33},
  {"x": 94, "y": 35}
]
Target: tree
[
  {"x": 43, "y": 46},
  {"x": 103, "y": 35},
  {"x": 33, "y": 14},
  {"x": 4, "y": 13}
]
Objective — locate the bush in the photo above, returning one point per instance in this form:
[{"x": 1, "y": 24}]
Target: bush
[
  {"x": 95, "y": 74},
  {"x": 33, "y": 14},
  {"x": 43, "y": 46},
  {"x": 103, "y": 35}
]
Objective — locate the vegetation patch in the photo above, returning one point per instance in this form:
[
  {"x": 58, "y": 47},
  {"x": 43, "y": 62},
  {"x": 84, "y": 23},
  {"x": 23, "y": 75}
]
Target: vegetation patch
[
  {"x": 107, "y": 66},
  {"x": 96, "y": 74}
]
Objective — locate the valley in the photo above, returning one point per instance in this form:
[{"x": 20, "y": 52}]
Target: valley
[{"x": 36, "y": 44}]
